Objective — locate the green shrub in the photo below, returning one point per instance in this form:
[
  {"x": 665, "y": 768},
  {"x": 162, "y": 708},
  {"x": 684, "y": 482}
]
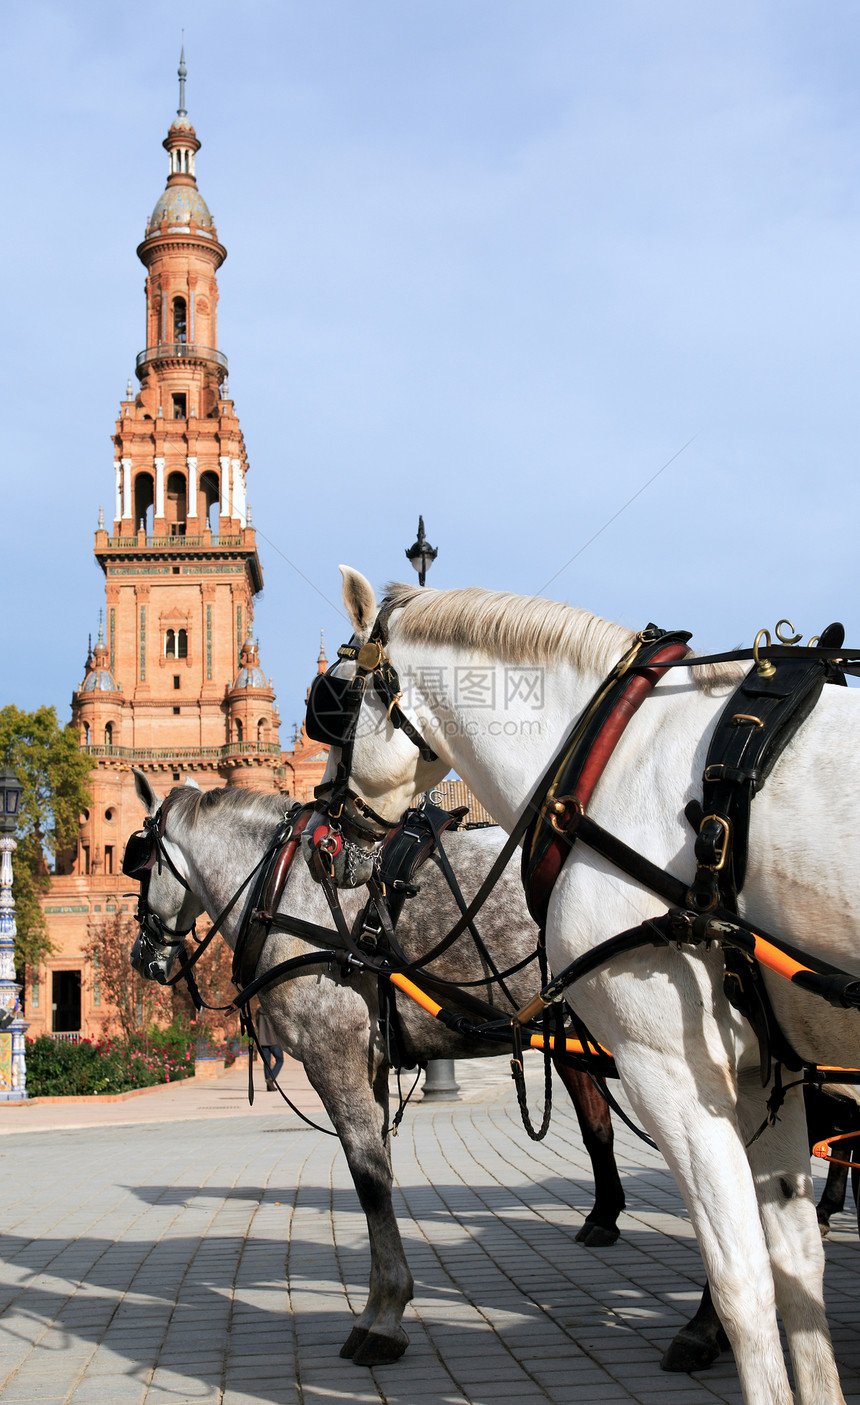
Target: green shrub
[{"x": 56, "y": 1068}]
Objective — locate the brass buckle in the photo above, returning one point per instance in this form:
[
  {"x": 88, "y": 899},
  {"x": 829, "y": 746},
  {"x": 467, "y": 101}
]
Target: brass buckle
[
  {"x": 556, "y": 808},
  {"x": 370, "y": 655},
  {"x": 740, "y": 717},
  {"x": 724, "y": 852}
]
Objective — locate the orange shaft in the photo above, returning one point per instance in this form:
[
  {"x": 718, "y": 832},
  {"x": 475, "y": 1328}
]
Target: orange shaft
[
  {"x": 775, "y": 959},
  {"x": 572, "y": 1046},
  {"x": 409, "y": 988}
]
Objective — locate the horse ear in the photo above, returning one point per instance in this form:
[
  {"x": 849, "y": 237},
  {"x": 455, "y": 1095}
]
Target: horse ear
[
  {"x": 359, "y": 599},
  {"x": 144, "y": 791},
  {"x": 189, "y": 780}
]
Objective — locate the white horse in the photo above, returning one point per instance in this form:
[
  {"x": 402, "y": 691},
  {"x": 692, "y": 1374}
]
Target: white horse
[{"x": 492, "y": 683}]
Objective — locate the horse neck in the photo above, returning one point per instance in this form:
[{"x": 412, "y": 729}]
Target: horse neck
[
  {"x": 497, "y": 724},
  {"x": 218, "y": 865}
]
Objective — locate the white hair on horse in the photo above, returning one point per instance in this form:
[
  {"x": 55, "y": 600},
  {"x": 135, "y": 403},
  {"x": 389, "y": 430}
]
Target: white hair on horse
[
  {"x": 523, "y": 629},
  {"x": 193, "y": 805}
]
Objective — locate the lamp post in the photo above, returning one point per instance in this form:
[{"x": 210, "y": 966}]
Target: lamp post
[
  {"x": 421, "y": 554},
  {"x": 440, "y": 1085},
  {"x": 13, "y": 1068}
]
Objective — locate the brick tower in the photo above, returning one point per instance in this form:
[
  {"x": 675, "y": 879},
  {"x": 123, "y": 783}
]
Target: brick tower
[{"x": 174, "y": 684}]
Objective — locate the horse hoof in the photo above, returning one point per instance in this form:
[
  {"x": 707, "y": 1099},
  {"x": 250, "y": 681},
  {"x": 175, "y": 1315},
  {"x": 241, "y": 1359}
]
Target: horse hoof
[
  {"x": 824, "y": 1226},
  {"x": 377, "y": 1350},
  {"x": 596, "y": 1236},
  {"x": 690, "y": 1353},
  {"x": 355, "y": 1339}
]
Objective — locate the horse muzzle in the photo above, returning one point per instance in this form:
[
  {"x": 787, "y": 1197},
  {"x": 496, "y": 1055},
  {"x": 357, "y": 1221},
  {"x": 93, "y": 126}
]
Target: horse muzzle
[{"x": 148, "y": 961}]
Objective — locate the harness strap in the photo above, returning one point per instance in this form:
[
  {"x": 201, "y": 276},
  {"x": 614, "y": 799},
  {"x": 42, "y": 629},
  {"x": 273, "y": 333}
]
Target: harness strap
[
  {"x": 222, "y": 916},
  {"x": 844, "y": 660},
  {"x": 252, "y": 935},
  {"x": 480, "y": 944},
  {"x": 584, "y": 757},
  {"x": 756, "y": 724}
]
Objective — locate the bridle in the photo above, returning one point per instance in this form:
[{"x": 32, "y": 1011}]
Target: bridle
[
  {"x": 144, "y": 851},
  {"x": 332, "y": 715}
]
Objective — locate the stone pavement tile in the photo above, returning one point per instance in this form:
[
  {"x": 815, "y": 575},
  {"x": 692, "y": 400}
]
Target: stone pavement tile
[
  {"x": 325, "y": 1396},
  {"x": 286, "y": 1395},
  {"x": 275, "y": 1366},
  {"x": 688, "y": 1395},
  {"x": 45, "y": 1395},
  {"x": 187, "y": 1393},
  {"x": 608, "y": 1391},
  {"x": 119, "y": 1389}
]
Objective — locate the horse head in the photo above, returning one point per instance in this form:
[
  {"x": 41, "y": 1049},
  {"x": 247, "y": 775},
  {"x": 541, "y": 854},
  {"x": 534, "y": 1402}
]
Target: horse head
[
  {"x": 380, "y": 760},
  {"x": 167, "y": 908}
]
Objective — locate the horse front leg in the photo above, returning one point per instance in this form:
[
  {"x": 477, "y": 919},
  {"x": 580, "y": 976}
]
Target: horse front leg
[
  {"x": 691, "y": 1114},
  {"x": 779, "y": 1159},
  {"x": 595, "y": 1123},
  {"x": 359, "y": 1111}
]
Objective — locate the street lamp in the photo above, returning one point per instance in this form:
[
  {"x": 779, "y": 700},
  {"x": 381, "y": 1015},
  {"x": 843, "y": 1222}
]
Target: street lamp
[
  {"x": 421, "y": 554},
  {"x": 440, "y": 1084},
  {"x": 13, "y": 1071},
  {"x": 10, "y": 795}
]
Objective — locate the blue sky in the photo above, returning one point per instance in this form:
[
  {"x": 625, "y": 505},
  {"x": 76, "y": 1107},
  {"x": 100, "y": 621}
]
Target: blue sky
[{"x": 492, "y": 262}]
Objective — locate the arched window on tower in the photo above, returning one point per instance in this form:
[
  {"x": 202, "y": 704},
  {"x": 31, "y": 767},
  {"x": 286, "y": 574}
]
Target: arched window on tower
[
  {"x": 210, "y": 489},
  {"x": 262, "y": 731},
  {"x": 170, "y": 644},
  {"x": 176, "y": 504},
  {"x": 182, "y": 644},
  {"x": 108, "y": 734},
  {"x": 239, "y": 734},
  {"x": 143, "y": 501},
  {"x": 180, "y": 320},
  {"x": 86, "y": 734}
]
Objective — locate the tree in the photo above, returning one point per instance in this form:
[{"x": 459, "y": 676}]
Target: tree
[
  {"x": 53, "y": 772},
  {"x": 131, "y": 1004}
]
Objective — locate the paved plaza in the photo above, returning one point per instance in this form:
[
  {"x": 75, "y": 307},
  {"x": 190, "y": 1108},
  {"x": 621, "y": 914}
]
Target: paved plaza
[{"x": 181, "y": 1247}]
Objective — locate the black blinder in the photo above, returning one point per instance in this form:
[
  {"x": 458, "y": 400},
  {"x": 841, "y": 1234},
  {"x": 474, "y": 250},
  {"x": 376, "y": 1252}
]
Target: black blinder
[
  {"x": 332, "y": 712},
  {"x": 139, "y": 856}
]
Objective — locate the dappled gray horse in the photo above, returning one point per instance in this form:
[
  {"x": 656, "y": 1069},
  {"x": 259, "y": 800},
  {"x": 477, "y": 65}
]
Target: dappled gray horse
[{"x": 333, "y": 1025}]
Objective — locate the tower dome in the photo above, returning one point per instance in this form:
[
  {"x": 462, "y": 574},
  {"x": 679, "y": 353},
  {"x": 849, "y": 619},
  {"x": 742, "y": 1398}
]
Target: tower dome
[
  {"x": 97, "y": 676},
  {"x": 250, "y": 675},
  {"x": 181, "y": 205}
]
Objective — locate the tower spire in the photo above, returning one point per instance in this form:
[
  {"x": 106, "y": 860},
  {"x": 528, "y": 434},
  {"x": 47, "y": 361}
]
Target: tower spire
[{"x": 182, "y": 72}]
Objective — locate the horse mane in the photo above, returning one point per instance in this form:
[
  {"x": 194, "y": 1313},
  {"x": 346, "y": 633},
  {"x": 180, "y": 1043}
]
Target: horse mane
[
  {"x": 522, "y": 629},
  {"x": 247, "y": 808}
]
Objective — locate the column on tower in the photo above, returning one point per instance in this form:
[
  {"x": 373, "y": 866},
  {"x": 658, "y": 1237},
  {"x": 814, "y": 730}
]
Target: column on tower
[
  {"x": 238, "y": 491},
  {"x": 225, "y": 485},
  {"x": 192, "y": 487},
  {"x": 159, "y": 487},
  {"x": 126, "y": 488}
]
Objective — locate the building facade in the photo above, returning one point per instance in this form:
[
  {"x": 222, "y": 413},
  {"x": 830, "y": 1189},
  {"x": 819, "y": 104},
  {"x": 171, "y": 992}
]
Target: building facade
[{"x": 174, "y": 684}]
